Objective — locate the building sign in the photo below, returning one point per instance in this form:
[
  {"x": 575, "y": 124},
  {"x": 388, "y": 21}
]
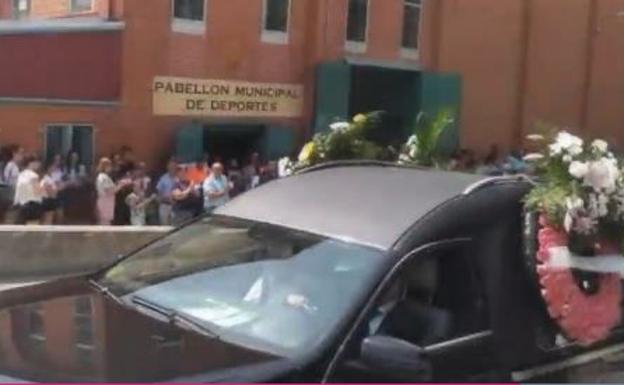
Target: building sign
[{"x": 222, "y": 98}]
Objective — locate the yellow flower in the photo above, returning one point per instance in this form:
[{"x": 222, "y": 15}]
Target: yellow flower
[
  {"x": 359, "y": 118},
  {"x": 306, "y": 152}
]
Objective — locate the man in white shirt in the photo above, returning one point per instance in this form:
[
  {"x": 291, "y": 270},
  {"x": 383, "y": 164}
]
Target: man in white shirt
[
  {"x": 29, "y": 193},
  {"x": 12, "y": 170},
  {"x": 216, "y": 188}
]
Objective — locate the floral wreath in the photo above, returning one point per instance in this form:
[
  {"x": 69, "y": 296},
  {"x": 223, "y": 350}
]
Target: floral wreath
[
  {"x": 579, "y": 199},
  {"x": 366, "y": 138}
]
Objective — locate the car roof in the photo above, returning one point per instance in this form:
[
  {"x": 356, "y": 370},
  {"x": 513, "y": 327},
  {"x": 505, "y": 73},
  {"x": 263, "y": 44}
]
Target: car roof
[{"x": 371, "y": 205}]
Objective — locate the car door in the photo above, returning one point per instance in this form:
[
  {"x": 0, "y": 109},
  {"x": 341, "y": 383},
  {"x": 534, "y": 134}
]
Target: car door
[{"x": 442, "y": 287}]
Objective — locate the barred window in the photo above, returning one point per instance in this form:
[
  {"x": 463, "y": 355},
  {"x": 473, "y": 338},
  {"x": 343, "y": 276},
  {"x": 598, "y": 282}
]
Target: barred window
[
  {"x": 81, "y": 5},
  {"x": 411, "y": 23},
  {"x": 21, "y": 9},
  {"x": 276, "y": 14},
  {"x": 63, "y": 139},
  {"x": 188, "y": 9},
  {"x": 357, "y": 20}
]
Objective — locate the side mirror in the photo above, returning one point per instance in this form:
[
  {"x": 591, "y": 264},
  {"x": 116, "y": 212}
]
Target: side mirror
[{"x": 395, "y": 358}]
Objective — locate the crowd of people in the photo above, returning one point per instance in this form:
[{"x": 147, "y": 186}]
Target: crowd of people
[
  {"x": 125, "y": 193},
  {"x": 40, "y": 192},
  {"x": 492, "y": 164}
]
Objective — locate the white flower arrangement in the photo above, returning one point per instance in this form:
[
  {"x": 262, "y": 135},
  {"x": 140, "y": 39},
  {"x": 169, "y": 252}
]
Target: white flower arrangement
[
  {"x": 285, "y": 167},
  {"x": 566, "y": 144},
  {"x": 581, "y": 186},
  {"x": 340, "y": 126}
]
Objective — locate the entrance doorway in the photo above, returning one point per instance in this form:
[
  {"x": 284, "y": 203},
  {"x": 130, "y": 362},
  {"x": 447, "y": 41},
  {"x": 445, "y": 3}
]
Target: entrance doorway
[
  {"x": 399, "y": 100},
  {"x": 350, "y": 86},
  {"x": 227, "y": 142},
  {"x": 232, "y": 141}
]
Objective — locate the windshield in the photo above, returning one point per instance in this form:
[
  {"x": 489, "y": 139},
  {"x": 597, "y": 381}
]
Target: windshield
[{"x": 256, "y": 285}]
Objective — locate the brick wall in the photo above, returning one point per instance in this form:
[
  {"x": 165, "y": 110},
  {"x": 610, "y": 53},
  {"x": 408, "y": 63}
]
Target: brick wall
[
  {"x": 556, "y": 61},
  {"x": 521, "y": 61},
  {"x": 6, "y": 9},
  {"x": 76, "y": 66}
]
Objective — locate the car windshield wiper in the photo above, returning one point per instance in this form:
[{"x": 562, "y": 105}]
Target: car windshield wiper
[
  {"x": 175, "y": 317},
  {"x": 106, "y": 291}
]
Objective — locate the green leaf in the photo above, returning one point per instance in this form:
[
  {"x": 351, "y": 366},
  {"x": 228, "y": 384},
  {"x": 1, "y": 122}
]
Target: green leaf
[{"x": 428, "y": 133}]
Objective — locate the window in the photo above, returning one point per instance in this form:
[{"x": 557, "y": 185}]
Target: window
[
  {"x": 21, "y": 9},
  {"x": 438, "y": 297},
  {"x": 257, "y": 275},
  {"x": 275, "y": 21},
  {"x": 411, "y": 24},
  {"x": 436, "y": 301},
  {"x": 357, "y": 21},
  {"x": 188, "y": 9},
  {"x": 276, "y": 15},
  {"x": 188, "y": 16},
  {"x": 78, "y": 6},
  {"x": 66, "y": 138}
]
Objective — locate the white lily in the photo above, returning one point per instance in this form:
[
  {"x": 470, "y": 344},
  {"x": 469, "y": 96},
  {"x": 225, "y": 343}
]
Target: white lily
[
  {"x": 533, "y": 157},
  {"x": 339, "y": 126},
  {"x": 600, "y": 146},
  {"x": 284, "y": 167},
  {"x": 578, "y": 169},
  {"x": 535, "y": 137},
  {"x": 602, "y": 175},
  {"x": 566, "y": 143},
  {"x": 598, "y": 205}
]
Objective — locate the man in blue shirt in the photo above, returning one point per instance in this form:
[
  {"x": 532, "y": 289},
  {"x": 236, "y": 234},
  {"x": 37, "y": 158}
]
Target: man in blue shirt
[
  {"x": 216, "y": 188},
  {"x": 164, "y": 188}
]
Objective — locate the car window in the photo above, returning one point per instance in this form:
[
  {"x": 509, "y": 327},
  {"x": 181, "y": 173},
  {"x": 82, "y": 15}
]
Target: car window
[
  {"x": 460, "y": 291},
  {"x": 436, "y": 298},
  {"x": 253, "y": 284}
]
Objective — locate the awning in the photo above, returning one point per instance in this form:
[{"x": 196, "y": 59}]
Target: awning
[
  {"x": 65, "y": 25},
  {"x": 400, "y": 64}
]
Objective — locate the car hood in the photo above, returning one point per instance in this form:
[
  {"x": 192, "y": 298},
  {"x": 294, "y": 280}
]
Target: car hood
[{"x": 67, "y": 331}]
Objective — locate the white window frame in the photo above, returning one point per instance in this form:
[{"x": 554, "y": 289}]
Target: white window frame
[
  {"x": 412, "y": 53},
  {"x": 191, "y": 27},
  {"x": 72, "y": 10},
  {"x": 15, "y": 8},
  {"x": 275, "y": 37},
  {"x": 358, "y": 46}
]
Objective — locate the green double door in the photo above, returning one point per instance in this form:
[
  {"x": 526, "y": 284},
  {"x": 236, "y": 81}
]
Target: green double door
[
  {"x": 343, "y": 90},
  {"x": 232, "y": 141}
]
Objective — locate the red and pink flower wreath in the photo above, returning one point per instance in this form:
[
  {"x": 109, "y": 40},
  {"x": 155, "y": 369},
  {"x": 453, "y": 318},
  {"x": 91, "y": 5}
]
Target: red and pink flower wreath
[{"x": 584, "y": 318}]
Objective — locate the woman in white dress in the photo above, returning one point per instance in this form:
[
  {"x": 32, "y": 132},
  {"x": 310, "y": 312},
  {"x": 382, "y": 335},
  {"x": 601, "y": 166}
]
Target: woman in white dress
[{"x": 106, "y": 190}]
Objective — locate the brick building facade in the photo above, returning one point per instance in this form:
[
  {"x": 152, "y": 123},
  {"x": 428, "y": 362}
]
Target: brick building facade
[
  {"x": 49, "y": 9},
  {"x": 505, "y": 65}
]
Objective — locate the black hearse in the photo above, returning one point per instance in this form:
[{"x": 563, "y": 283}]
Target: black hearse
[{"x": 345, "y": 272}]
